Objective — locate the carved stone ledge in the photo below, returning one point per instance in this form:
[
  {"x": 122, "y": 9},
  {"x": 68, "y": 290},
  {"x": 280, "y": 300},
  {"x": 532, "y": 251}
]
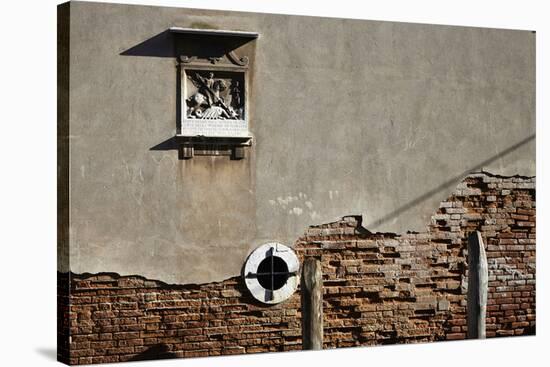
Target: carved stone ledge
[
  {"x": 218, "y": 33},
  {"x": 191, "y": 146}
]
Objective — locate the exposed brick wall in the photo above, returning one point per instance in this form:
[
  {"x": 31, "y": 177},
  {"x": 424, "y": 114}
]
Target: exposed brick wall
[
  {"x": 115, "y": 319},
  {"x": 381, "y": 288},
  {"x": 378, "y": 289}
]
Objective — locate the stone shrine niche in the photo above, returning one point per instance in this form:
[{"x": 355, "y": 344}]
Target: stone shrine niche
[{"x": 213, "y": 98}]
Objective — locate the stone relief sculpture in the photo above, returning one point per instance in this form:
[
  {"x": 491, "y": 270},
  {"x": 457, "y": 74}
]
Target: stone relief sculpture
[
  {"x": 213, "y": 98},
  {"x": 212, "y": 95}
]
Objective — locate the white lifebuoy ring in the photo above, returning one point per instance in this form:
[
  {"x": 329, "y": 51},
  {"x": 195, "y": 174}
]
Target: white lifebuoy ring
[{"x": 275, "y": 260}]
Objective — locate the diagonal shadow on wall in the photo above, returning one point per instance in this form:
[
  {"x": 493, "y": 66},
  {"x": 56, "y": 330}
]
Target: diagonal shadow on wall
[
  {"x": 449, "y": 182},
  {"x": 168, "y": 144},
  {"x": 171, "y": 144},
  {"x": 161, "y": 45}
]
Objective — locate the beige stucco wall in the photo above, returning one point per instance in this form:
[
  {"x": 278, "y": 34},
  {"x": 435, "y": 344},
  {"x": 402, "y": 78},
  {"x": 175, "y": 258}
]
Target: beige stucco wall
[{"x": 349, "y": 117}]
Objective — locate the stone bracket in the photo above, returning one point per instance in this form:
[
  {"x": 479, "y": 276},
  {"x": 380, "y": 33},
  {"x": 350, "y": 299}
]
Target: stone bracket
[{"x": 191, "y": 146}]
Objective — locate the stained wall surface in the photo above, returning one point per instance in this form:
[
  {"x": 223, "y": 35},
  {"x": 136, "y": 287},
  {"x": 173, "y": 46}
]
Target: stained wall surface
[
  {"x": 378, "y": 119},
  {"x": 377, "y": 289}
]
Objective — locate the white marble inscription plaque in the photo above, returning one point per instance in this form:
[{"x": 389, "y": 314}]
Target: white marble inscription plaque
[{"x": 215, "y": 128}]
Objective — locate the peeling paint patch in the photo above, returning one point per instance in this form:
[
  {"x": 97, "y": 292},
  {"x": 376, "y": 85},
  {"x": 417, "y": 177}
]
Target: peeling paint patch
[
  {"x": 301, "y": 205},
  {"x": 297, "y": 211}
]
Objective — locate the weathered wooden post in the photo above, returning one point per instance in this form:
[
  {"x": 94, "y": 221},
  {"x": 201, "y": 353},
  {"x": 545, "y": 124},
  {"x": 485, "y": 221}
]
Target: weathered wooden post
[
  {"x": 478, "y": 278},
  {"x": 312, "y": 305}
]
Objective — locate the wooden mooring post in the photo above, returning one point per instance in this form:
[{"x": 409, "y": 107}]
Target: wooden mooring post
[
  {"x": 478, "y": 279},
  {"x": 312, "y": 305}
]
